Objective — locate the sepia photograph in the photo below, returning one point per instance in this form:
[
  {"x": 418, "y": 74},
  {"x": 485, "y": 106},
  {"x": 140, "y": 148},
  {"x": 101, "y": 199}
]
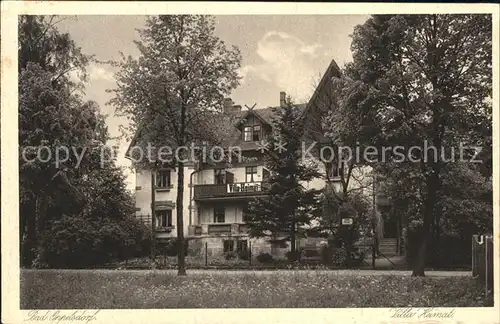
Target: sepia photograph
[{"x": 228, "y": 161}]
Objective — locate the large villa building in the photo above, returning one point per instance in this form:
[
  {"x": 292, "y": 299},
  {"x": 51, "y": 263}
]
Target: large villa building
[{"x": 216, "y": 196}]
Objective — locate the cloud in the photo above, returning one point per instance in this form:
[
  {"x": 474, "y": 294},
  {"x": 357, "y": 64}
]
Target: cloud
[
  {"x": 94, "y": 73},
  {"x": 288, "y": 62},
  {"x": 100, "y": 73},
  {"x": 246, "y": 70}
]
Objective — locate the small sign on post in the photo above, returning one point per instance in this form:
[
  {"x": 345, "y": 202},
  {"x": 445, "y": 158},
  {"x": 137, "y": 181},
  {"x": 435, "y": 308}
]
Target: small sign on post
[{"x": 346, "y": 221}]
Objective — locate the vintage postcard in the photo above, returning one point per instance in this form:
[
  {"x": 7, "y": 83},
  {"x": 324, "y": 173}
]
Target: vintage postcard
[{"x": 247, "y": 162}]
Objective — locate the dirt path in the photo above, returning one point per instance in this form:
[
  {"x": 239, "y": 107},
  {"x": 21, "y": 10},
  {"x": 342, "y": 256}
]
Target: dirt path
[{"x": 340, "y": 272}]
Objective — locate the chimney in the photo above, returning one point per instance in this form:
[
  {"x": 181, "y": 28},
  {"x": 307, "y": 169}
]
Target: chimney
[
  {"x": 236, "y": 108},
  {"x": 228, "y": 103},
  {"x": 282, "y": 98}
]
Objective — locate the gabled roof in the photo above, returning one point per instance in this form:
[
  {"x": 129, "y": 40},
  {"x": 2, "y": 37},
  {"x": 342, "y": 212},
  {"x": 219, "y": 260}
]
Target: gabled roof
[
  {"x": 133, "y": 141},
  {"x": 267, "y": 114},
  {"x": 332, "y": 70},
  {"x": 242, "y": 115}
]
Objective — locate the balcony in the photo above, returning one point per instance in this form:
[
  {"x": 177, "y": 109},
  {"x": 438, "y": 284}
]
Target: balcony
[
  {"x": 164, "y": 229},
  {"x": 218, "y": 229},
  {"x": 242, "y": 189}
]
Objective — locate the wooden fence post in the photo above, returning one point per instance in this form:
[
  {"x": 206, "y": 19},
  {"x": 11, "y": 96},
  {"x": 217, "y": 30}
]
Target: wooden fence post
[
  {"x": 373, "y": 253},
  {"x": 206, "y": 254},
  {"x": 488, "y": 242},
  {"x": 474, "y": 272}
]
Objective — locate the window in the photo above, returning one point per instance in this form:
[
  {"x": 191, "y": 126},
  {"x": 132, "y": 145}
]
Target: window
[
  {"x": 163, "y": 179},
  {"x": 164, "y": 218},
  {"x": 251, "y": 173},
  {"x": 334, "y": 170},
  {"x": 256, "y": 133},
  {"x": 228, "y": 246},
  {"x": 252, "y": 133},
  {"x": 219, "y": 215},
  {"x": 247, "y": 134},
  {"x": 242, "y": 246},
  {"x": 219, "y": 176}
]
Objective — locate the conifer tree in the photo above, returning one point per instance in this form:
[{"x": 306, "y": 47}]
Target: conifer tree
[{"x": 286, "y": 212}]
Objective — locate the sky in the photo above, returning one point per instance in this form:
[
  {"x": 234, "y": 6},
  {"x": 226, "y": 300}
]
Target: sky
[{"x": 279, "y": 53}]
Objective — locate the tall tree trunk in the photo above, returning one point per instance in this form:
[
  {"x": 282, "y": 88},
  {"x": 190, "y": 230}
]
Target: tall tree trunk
[
  {"x": 430, "y": 202},
  {"x": 28, "y": 234},
  {"x": 434, "y": 243},
  {"x": 348, "y": 246},
  {"x": 180, "y": 221},
  {"x": 181, "y": 271},
  {"x": 22, "y": 234},
  {"x": 293, "y": 251},
  {"x": 41, "y": 213},
  {"x": 419, "y": 263},
  {"x": 153, "y": 219}
]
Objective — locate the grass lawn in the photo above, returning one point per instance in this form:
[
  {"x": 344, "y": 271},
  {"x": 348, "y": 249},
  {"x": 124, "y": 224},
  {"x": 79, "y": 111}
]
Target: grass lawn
[{"x": 77, "y": 289}]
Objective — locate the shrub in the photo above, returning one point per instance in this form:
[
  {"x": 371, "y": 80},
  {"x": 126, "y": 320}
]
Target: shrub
[
  {"x": 139, "y": 236},
  {"x": 449, "y": 251},
  {"x": 230, "y": 256},
  {"x": 170, "y": 247},
  {"x": 357, "y": 257},
  {"x": 311, "y": 253},
  {"x": 292, "y": 256},
  {"x": 264, "y": 258},
  {"x": 326, "y": 254},
  {"x": 244, "y": 255},
  {"x": 78, "y": 242},
  {"x": 195, "y": 247},
  {"x": 162, "y": 248},
  {"x": 339, "y": 256}
]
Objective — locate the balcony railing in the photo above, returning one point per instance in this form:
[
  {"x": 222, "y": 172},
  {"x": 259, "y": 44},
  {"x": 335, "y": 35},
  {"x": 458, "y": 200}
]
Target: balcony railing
[
  {"x": 218, "y": 229},
  {"x": 164, "y": 229},
  {"x": 230, "y": 189}
]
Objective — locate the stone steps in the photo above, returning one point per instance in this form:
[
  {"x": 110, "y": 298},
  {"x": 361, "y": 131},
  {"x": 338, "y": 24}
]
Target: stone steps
[{"x": 388, "y": 246}]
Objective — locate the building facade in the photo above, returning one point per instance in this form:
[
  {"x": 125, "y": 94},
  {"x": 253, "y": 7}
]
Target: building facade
[{"x": 216, "y": 196}]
